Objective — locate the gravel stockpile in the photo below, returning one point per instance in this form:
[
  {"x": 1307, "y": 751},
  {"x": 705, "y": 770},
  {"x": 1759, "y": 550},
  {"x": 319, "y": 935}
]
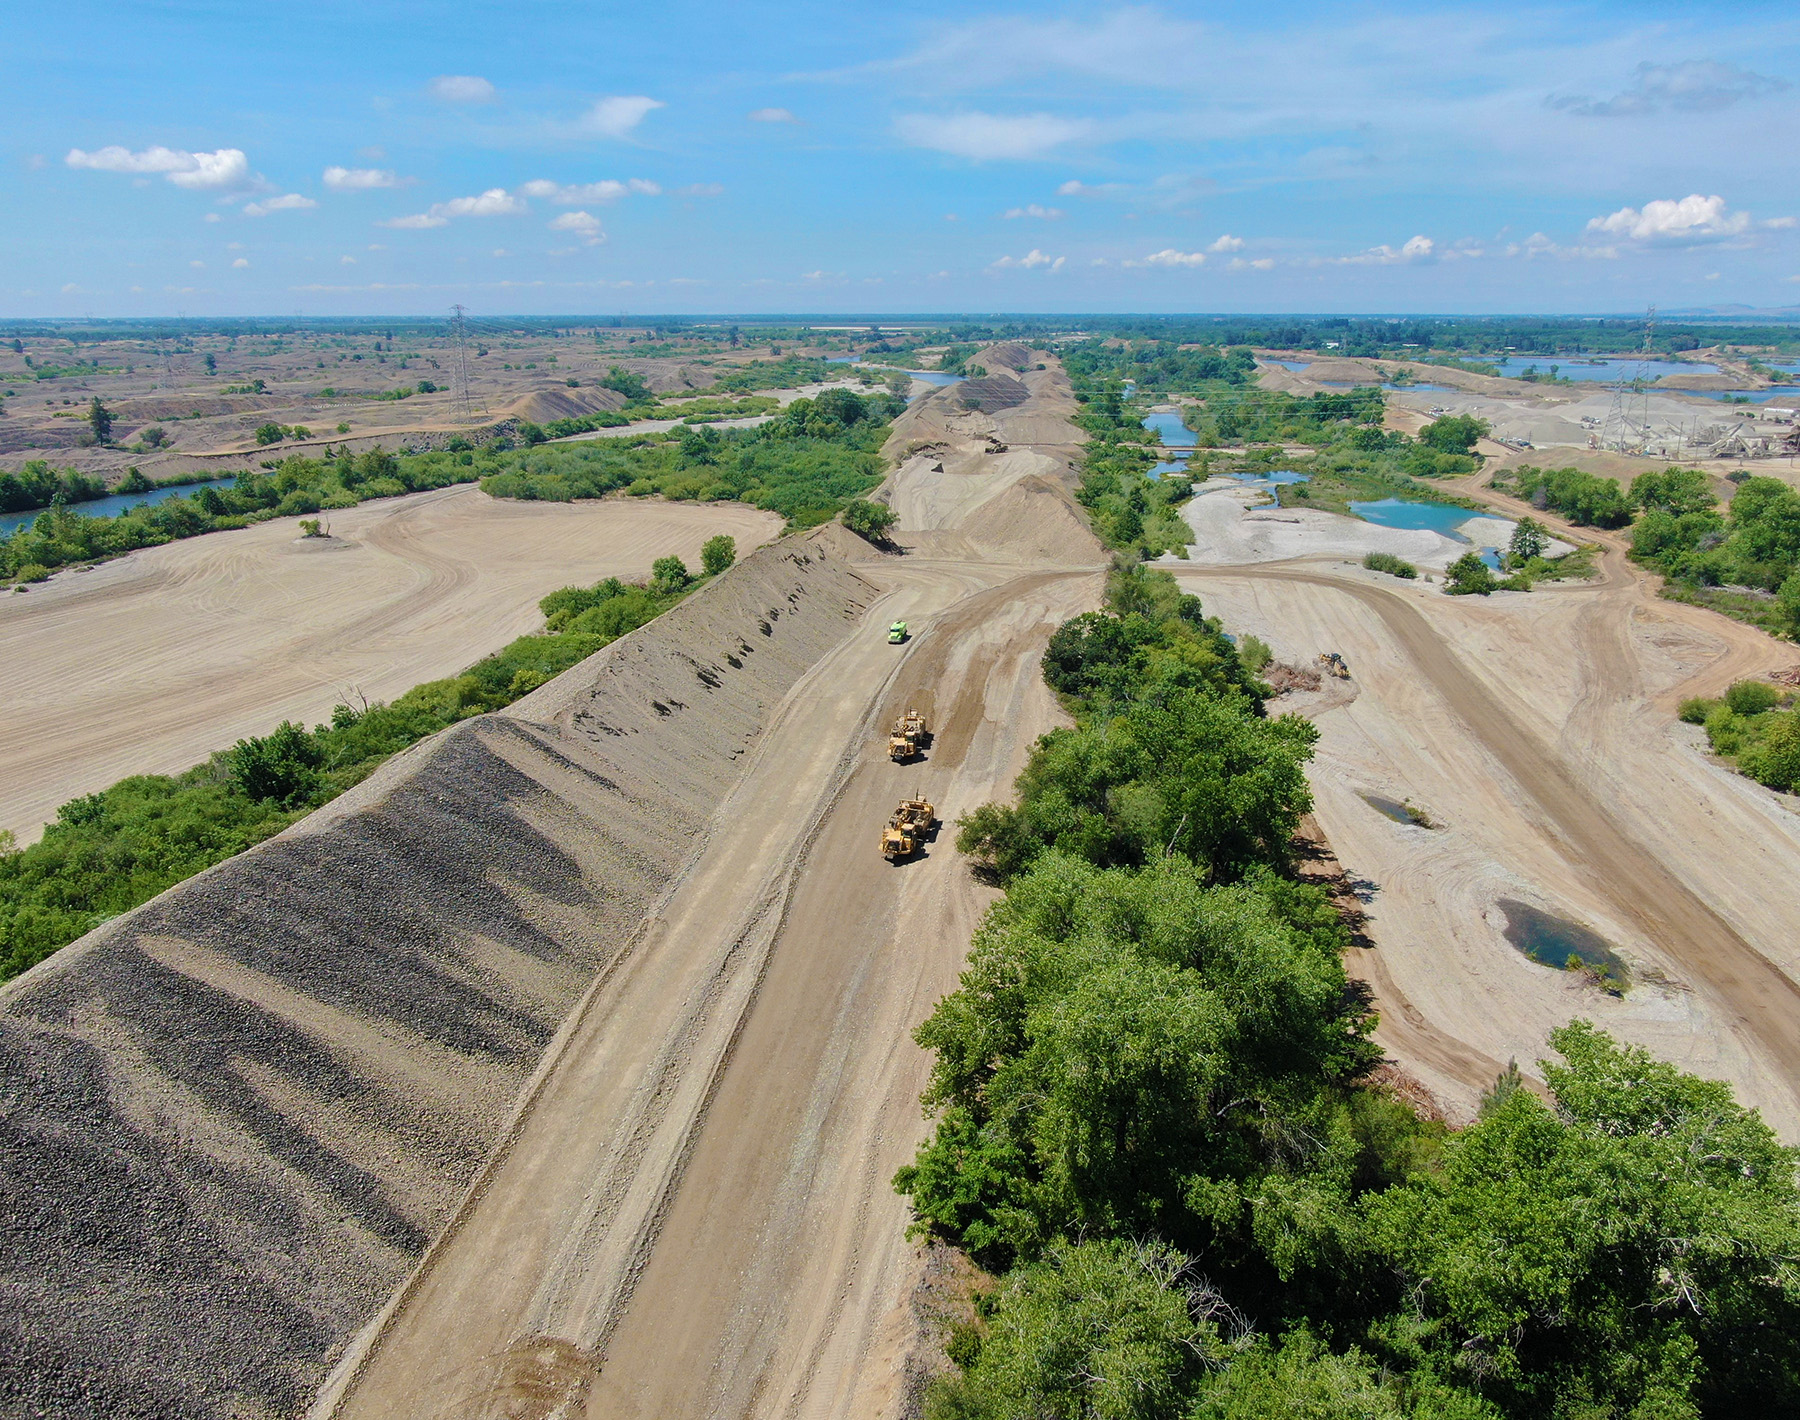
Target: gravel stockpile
[{"x": 232, "y": 1119}]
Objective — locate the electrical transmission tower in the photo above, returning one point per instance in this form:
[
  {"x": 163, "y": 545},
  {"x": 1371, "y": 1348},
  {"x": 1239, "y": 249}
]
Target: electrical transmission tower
[
  {"x": 462, "y": 364},
  {"x": 1623, "y": 432}
]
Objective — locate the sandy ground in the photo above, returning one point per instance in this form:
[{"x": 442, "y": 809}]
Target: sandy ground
[
  {"x": 148, "y": 663},
  {"x": 694, "y": 1216},
  {"x": 1537, "y": 730}
]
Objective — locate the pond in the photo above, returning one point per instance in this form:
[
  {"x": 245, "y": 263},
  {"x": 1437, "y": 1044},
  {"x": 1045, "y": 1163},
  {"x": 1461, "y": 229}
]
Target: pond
[
  {"x": 1169, "y": 429},
  {"x": 1295, "y": 365},
  {"x": 1554, "y": 941},
  {"x": 1423, "y": 517},
  {"x": 930, "y": 377},
  {"x": 111, "y": 507},
  {"x": 1781, "y": 392},
  {"x": 1599, "y": 369}
]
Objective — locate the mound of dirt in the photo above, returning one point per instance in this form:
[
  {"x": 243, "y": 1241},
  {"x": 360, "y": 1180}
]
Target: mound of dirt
[
  {"x": 553, "y": 402},
  {"x": 1008, "y": 356},
  {"x": 991, "y": 393},
  {"x": 234, "y": 1117},
  {"x": 1035, "y": 519}
]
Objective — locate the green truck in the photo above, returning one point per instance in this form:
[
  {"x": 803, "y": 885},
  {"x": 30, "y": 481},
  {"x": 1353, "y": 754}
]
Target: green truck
[{"x": 896, "y": 633}]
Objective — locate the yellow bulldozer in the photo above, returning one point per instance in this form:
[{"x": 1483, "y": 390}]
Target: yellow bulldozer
[
  {"x": 907, "y": 830},
  {"x": 908, "y": 737},
  {"x": 1334, "y": 664}
]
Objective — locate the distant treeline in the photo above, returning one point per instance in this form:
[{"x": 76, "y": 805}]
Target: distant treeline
[{"x": 110, "y": 851}]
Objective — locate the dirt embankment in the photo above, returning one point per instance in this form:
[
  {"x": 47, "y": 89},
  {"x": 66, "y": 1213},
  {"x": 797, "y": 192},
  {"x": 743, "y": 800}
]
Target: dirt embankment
[{"x": 233, "y": 1118}]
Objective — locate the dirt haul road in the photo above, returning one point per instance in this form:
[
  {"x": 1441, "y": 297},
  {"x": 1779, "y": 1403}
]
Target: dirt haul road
[
  {"x": 692, "y": 1213},
  {"x": 1537, "y": 733},
  {"x": 148, "y": 663}
]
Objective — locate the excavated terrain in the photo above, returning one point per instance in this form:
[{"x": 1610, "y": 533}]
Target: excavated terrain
[
  {"x": 565, "y": 1062},
  {"x": 233, "y": 1118}
]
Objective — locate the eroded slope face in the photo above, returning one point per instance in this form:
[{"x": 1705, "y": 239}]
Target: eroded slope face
[{"x": 232, "y": 1119}]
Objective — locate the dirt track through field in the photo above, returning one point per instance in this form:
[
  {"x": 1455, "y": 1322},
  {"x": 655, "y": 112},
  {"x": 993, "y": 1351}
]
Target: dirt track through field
[
  {"x": 1760, "y": 997},
  {"x": 148, "y": 663}
]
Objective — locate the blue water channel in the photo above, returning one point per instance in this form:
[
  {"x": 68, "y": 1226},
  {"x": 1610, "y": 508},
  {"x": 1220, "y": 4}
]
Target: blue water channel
[
  {"x": 111, "y": 507},
  {"x": 930, "y": 377}
]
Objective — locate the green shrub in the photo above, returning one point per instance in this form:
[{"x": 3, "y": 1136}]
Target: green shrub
[
  {"x": 717, "y": 554},
  {"x": 1695, "y": 711},
  {"x": 32, "y": 572},
  {"x": 1470, "y": 576},
  {"x": 1393, "y": 566},
  {"x": 869, "y": 520},
  {"x": 1752, "y": 697}
]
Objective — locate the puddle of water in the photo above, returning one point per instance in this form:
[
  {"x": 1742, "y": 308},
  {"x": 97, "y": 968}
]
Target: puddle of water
[
  {"x": 1169, "y": 430},
  {"x": 1554, "y": 941},
  {"x": 1398, "y": 812},
  {"x": 1422, "y": 517}
]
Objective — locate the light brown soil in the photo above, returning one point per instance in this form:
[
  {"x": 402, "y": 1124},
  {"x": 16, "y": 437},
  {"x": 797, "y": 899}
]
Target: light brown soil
[
  {"x": 693, "y": 1214},
  {"x": 1538, "y": 732},
  {"x": 148, "y": 663}
]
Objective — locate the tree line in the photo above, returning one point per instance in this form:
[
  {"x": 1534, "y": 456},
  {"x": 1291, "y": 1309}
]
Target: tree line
[{"x": 1157, "y": 1129}]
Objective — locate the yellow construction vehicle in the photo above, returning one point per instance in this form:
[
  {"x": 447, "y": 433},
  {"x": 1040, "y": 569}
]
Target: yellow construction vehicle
[
  {"x": 906, "y": 831},
  {"x": 1334, "y": 664},
  {"x": 907, "y": 737}
]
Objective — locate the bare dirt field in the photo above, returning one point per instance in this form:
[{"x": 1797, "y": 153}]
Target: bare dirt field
[
  {"x": 1537, "y": 732},
  {"x": 672, "y": 851},
  {"x": 148, "y": 663}
]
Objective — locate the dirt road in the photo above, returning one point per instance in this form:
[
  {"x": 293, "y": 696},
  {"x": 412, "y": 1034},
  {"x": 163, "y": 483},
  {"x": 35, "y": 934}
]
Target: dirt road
[
  {"x": 692, "y": 1214},
  {"x": 1537, "y": 731},
  {"x": 147, "y": 664}
]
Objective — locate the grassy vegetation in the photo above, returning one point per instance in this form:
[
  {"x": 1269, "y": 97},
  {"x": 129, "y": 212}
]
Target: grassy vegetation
[
  {"x": 1154, "y": 1123},
  {"x": 806, "y": 464},
  {"x": 1755, "y": 727},
  {"x": 1392, "y": 565},
  {"x": 110, "y": 851}
]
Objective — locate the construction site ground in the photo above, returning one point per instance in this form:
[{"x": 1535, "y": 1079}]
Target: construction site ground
[
  {"x": 562, "y": 1067},
  {"x": 1537, "y": 733},
  {"x": 148, "y": 663}
]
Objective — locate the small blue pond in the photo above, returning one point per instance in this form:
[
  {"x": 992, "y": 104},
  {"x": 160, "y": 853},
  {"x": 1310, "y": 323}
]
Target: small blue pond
[
  {"x": 1602, "y": 370},
  {"x": 118, "y": 503},
  {"x": 1786, "y": 392},
  {"x": 1427, "y": 517},
  {"x": 1295, "y": 365}
]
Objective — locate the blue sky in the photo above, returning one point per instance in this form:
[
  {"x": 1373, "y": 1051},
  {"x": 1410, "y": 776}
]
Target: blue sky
[{"x": 397, "y": 157}]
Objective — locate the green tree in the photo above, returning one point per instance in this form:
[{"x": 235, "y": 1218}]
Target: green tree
[
  {"x": 1787, "y": 601},
  {"x": 270, "y": 433},
  {"x": 869, "y": 520},
  {"x": 632, "y": 386},
  {"x": 1454, "y": 433},
  {"x": 1469, "y": 575},
  {"x": 1677, "y": 490},
  {"x": 1094, "y": 1331},
  {"x": 100, "y": 420},
  {"x": 212, "y": 365},
  {"x": 1528, "y": 541},
  {"x": 669, "y": 575},
  {"x": 1631, "y": 1250},
  {"x": 281, "y": 767},
  {"x": 717, "y": 553}
]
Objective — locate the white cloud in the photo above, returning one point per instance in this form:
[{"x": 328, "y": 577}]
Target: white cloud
[
  {"x": 499, "y": 251},
  {"x": 984, "y": 136},
  {"x": 1537, "y": 244},
  {"x": 583, "y": 224},
  {"x": 346, "y": 261},
  {"x": 226, "y": 167},
  {"x": 211, "y": 217},
  {"x": 1689, "y": 222},
  {"x": 606, "y": 190},
  {"x": 1416, "y": 250},
  {"x": 1030, "y": 261},
  {"x": 772, "y": 115},
  {"x": 198, "y": 265},
  {"x": 71, "y": 289},
  {"x": 495, "y": 202},
  {"x": 701, "y": 189},
  {"x": 616, "y": 116},
  {"x": 462, "y": 89},
  {"x": 1172, "y": 259},
  {"x": 1226, "y": 243},
  {"x": 288, "y": 202},
  {"x": 241, "y": 264},
  {"x": 1692, "y": 86},
  {"x": 1260, "y": 263},
  {"x": 359, "y": 179},
  {"x": 1049, "y": 214}
]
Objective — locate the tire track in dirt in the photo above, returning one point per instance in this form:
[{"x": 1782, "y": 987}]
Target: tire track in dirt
[{"x": 1761, "y": 999}]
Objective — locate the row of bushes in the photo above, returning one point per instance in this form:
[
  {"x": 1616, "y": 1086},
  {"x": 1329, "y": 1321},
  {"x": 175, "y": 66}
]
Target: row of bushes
[
  {"x": 110, "y": 851},
  {"x": 1751, "y": 727},
  {"x": 1157, "y": 1129}
]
